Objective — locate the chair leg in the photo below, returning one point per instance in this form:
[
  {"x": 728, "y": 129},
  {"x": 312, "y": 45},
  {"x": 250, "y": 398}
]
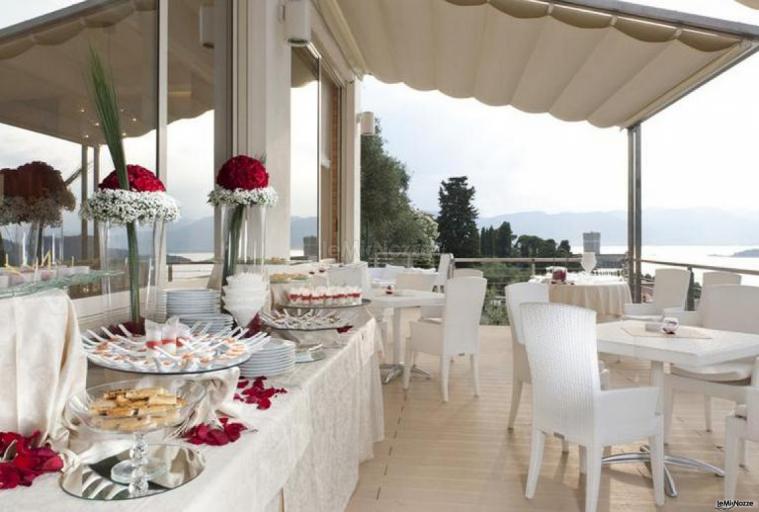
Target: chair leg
[
  {"x": 583, "y": 459},
  {"x": 656, "y": 444},
  {"x": 668, "y": 397},
  {"x": 475, "y": 361},
  {"x": 605, "y": 379},
  {"x": 732, "y": 445},
  {"x": 536, "y": 459},
  {"x": 445, "y": 366},
  {"x": 742, "y": 452},
  {"x": 564, "y": 446},
  {"x": 708, "y": 413},
  {"x": 593, "y": 465},
  {"x": 516, "y": 395}
]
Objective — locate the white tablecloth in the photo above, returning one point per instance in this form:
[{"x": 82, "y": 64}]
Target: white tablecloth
[
  {"x": 42, "y": 363},
  {"x": 607, "y": 298},
  {"x": 306, "y": 450}
]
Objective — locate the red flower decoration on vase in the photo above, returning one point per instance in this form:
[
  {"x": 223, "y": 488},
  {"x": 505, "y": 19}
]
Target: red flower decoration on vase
[
  {"x": 140, "y": 180},
  {"x": 242, "y": 172},
  {"x": 29, "y": 462}
]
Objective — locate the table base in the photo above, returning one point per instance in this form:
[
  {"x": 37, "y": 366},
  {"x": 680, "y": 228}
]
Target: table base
[
  {"x": 393, "y": 371},
  {"x": 670, "y": 488}
]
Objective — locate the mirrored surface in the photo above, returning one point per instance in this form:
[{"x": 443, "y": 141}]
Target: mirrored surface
[{"x": 93, "y": 482}]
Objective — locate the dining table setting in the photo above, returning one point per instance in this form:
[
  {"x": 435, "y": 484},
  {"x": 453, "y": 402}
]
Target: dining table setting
[{"x": 195, "y": 411}]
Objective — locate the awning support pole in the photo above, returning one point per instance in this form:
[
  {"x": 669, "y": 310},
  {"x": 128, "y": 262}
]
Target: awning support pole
[{"x": 634, "y": 210}]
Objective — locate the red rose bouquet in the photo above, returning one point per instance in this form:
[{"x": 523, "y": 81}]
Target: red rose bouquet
[{"x": 241, "y": 184}]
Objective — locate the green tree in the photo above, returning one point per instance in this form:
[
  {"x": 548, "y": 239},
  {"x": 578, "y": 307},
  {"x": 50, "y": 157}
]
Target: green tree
[
  {"x": 564, "y": 250},
  {"x": 504, "y": 241},
  {"x": 457, "y": 221},
  {"x": 487, "y": 242},
  {"x": 388, "y": 220}
]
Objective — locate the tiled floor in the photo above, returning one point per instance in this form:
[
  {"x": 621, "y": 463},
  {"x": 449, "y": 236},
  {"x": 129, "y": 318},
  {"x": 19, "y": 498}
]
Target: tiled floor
[{"x": 460, "y": 456}]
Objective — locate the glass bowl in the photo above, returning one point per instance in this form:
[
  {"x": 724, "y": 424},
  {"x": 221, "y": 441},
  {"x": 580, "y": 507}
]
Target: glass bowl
[{"x": 147, "y": 409}]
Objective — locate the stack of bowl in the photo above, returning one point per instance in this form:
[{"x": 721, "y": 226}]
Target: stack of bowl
[{"x": 244, "y": 296}]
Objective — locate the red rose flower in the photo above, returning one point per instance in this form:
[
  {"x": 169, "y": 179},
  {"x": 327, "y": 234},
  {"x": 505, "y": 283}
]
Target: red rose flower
[
  {"x": 140, "y": 180},
  {"x": 29, "y": 462},
  {"x": 242, "y": 172},
  {"x": 215, "y": 436},
  {"x": 257, "y": 393}
]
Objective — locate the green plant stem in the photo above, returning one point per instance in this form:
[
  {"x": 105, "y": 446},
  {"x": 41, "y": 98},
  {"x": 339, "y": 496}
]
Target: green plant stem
[
  {"x": 233, "y": 242},
  {"x": 134, "y": 273}
]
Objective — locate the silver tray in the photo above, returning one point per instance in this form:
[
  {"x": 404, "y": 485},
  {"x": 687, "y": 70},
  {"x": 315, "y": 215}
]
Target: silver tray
[
  {"x": 298, "y": 307},
  {"x": 93, "y": 481}
]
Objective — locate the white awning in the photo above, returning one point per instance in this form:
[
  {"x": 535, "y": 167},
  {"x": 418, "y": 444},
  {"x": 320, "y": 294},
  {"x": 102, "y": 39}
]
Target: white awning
[
  {"x": 43, "y": 65},
  {"x": 576, "y": 63}
]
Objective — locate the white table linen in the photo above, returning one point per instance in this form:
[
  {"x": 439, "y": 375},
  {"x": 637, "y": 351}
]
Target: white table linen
[
  {"x": 42, "y": 363},
  {"x": 305, "y": 452},
  {"x": 606, "y": 296}
]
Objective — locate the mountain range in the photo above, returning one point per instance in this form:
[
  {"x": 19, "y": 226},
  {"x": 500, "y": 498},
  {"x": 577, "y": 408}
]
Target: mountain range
[{"x": 687, "y": 226}]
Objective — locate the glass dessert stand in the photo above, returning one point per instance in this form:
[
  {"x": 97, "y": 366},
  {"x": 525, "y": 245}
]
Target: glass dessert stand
[{"x": 132, "y": 407}]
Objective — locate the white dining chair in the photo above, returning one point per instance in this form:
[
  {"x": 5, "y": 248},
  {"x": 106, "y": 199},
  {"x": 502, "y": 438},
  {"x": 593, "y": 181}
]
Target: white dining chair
[
  {"x": 567, "y": 398},
  {"x": 741, "y": 426},
  {"x": 443, "y": 270},
  {"x": 670, "y": 291},
  {"x": 468, "y": 272},
  {"x": 726, "y": 308},
  {"x": 717, "y": 278},
  {"x": 456, "y": 332},
  {"x": 516, "y": 295}
]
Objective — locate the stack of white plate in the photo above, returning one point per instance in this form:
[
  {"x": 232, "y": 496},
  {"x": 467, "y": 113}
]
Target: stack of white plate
[
  {"x": 278, "y": 356},
  {"x": 196, "y": 301},
  {"x": 216, "y": 322}
]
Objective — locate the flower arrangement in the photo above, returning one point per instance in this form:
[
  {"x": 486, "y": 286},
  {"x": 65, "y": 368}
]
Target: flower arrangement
[
  {"x": 145, "y": 201},
  {"x": 34, "y": 192},
  {"x": 27, "y": 460},
  {"x": 130, "y": 194},
  {"x": 242, "y": 183}
]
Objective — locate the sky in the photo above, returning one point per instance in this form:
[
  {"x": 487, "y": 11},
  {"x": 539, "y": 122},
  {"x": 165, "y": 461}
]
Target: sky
[{"x": 701, "y": 152}]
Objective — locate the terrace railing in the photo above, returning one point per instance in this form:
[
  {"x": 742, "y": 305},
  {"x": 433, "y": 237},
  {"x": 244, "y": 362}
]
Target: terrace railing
[{"x": 694, "y": 290}]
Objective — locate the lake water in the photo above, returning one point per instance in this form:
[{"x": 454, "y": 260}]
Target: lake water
[{"x": 716, "y": 255}]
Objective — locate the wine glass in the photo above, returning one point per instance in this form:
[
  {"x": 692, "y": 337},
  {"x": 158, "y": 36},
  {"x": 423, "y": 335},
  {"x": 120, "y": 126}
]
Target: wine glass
[{"x": 588, "y": 261}]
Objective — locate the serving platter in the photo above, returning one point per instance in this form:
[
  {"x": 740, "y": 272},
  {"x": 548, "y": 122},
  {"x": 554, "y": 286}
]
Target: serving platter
[{"x": 195, "y": 351}]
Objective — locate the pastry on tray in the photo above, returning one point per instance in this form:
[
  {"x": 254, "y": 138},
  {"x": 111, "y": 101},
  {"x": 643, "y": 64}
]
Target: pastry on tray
[{"x": 129, "y": 410}]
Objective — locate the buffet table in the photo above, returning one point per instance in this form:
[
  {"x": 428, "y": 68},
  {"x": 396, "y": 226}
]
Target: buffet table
[{"x": 303, "y": 456}]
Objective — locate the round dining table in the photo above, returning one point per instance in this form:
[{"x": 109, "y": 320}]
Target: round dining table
[{"x": 606, "y": 295}]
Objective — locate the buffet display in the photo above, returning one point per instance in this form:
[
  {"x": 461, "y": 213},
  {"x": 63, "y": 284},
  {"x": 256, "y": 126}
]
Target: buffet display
[
  {"x": 310, "y": 320},
  {"x": 129, "y": 406},
  {"x": 324, "y": 297},
  {"x": 172, "y": 348}
]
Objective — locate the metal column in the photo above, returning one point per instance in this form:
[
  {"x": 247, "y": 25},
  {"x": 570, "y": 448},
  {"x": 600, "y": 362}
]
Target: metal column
[
  {"x": 83, "y": 180},
  {"x": 634, "y": 209},
  {"x": 95, "y": 183}
]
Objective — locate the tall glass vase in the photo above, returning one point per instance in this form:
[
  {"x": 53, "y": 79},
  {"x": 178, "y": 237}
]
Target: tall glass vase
[
  {"x": 154, "y": 301},
  {"x": 145, "y": 286},
  {"x": 18, "y": 243},
  {"x": 244, "y": 239},
  {"x": 106, "y": 264}
]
